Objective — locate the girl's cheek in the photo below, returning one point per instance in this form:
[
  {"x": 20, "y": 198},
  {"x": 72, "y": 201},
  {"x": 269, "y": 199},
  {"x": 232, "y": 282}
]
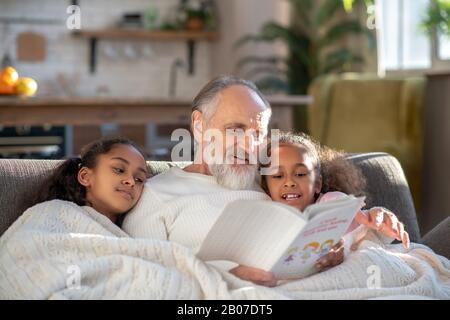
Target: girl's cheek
[{"x": 271, "y": 190}]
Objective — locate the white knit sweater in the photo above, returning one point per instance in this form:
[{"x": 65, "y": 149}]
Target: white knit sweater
[{"x": 182, "y": 207}]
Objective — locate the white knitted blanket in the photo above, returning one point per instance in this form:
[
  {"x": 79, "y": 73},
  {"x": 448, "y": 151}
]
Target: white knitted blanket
[{"x": 57, "y": 250}]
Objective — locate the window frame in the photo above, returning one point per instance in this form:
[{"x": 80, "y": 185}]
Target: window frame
[{"x": 436, "y": 63}]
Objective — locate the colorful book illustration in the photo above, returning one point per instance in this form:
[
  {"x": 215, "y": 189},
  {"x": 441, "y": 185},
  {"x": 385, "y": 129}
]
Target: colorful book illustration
[{"x": 275, "y": 237}]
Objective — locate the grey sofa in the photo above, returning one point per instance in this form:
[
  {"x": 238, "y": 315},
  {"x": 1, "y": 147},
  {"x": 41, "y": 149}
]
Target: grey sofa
[{"x": 387, "y": 187}]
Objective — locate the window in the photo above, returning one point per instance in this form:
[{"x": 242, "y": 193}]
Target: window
[
  {"x": 444, "y": 47},
  {"x": 402, "y": 44}
]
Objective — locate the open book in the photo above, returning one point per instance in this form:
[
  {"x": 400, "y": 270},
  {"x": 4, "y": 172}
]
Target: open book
[{"x": 276, "y": 237}]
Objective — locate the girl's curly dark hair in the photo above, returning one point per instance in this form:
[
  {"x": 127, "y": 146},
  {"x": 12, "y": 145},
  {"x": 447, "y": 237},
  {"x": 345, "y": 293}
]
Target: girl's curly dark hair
[
  {"x": 338, "y": 173},
  {"x": 63, "y": 183}
]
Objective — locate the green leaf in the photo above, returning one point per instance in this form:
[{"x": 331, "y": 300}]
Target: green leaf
[
  {"x": 338, "y": 58},
  {"x": 348, "y": 5},
  {"x": 327, "y": 10},
  {"x": 270, "y": 32},
  {"x": 340, "y": 30},
  {"x": 298, "y": 43},
  {"x": 369, "y": 3},
  {"x": 274, "y": 31},
  {"x": 437, "y": 17},
  {"x": 302, "y": 8},
  {"x": 270, "y": 84}
]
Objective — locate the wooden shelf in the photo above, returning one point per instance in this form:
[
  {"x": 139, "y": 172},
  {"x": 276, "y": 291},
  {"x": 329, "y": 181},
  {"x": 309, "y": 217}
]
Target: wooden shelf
[
  {"x": 158, "y": 35},
  {"x": 138, "y": 34}
]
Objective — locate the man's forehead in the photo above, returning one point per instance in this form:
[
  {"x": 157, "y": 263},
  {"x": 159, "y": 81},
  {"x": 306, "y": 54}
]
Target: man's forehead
[
  {"x": 258, "y": 120},
  {"x": 242, "y": 105}
]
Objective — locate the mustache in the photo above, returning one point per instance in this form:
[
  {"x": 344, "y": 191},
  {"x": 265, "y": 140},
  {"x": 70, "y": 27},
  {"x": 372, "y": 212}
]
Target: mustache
[{"x": 240, "y": 153}]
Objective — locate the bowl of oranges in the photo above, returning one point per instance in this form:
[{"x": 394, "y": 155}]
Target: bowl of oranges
[{"x": 12, "y": 85}]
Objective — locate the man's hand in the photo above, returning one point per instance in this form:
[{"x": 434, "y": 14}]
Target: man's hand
[
  {"x": 386, "y": 222},
  {"x": 332, "y": 258},
  {"x": 255, "y": 275}
]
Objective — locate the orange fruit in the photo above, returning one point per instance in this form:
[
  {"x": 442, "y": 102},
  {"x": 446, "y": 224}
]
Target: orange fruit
[
  {"x": 26, "y": 87},
  {"x": 9, "y": 76},
  {"x": 6, "y": 88}
]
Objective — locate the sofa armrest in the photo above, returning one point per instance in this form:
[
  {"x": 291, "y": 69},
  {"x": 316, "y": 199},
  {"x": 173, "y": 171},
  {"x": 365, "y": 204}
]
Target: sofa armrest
[{"x": 438, "y": 238}]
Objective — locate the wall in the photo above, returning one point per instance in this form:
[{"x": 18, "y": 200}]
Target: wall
[
  {"x": 65, "y": 71},
  {"x": 239, "y": 18},
  {"x": 67, "y": 57}
]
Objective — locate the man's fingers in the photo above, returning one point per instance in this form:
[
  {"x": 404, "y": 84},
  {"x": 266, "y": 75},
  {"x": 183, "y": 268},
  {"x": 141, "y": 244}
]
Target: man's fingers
[
  {"x": 401, "y": 231},
  {"x": 376, "y": 218},
  {"x": 391, "y": 221},
  {"x": 405, "y": 240},
  {"x": 390, "y": 226},
  {"x": 361, "y": 218}
]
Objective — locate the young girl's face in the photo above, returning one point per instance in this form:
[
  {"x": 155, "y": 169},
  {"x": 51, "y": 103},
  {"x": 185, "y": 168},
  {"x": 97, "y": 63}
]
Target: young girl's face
[
  {"x": 294, "y": 182},
  {"x": 115, "y": 185}
]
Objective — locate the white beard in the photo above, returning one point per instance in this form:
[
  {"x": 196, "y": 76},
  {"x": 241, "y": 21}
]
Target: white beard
[{"x": 241, "y": 177}]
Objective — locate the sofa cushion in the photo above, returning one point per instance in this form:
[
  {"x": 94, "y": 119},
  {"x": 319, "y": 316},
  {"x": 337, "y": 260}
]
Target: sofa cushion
[
  {"x": 387, "y": 185},
  {"x": 438, "y": 238}
]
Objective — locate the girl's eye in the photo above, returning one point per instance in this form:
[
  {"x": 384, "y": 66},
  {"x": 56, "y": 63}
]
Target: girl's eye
[
  {"x": 118, "y": 170},
  {"x": 301, "y": 174},
  {"x": 276, "y": 176},
  {"x": 139, "y": 180}
]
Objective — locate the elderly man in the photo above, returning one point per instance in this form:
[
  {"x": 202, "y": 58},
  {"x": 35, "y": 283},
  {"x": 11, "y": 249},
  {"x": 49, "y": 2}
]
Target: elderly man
[{"x": 181, "y": 205}]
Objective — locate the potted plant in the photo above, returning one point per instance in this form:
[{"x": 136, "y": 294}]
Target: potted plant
[
  {"x": 314, "y": 39},
  {"x": 316, "y": 46},
  {"x": 437, "y": 18},
  {"x": 196, "y": 15}
]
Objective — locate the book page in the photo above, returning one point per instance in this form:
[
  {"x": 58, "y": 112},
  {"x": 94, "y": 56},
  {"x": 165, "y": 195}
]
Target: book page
[
  {"x": 328, "y": 223},
  {"x": 252, "y": 232}
]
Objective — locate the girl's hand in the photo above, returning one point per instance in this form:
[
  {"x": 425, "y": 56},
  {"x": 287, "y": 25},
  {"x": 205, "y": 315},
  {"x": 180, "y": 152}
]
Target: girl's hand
[
  {"x": 386, "y": 222},
  {"x": 258, "y": 276},
  {"x": 332, "y": 258}
]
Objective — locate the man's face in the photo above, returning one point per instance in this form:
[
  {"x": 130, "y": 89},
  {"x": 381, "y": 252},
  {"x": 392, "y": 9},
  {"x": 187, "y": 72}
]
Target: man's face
[
  {"x": 241, "y": 118},
  {"x": 240, "y": 111}
]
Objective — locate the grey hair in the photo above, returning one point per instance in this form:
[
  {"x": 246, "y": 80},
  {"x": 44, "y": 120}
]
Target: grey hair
[{"x": 206, "y": 100}]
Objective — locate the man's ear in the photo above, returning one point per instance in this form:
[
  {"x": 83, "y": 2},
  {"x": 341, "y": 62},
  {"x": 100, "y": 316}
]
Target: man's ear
[
  {"x": 84, "y": 176},
  {"x": 197, "y": 125}
]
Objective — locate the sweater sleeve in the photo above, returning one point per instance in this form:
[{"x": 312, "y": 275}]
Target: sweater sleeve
[{"x": 146, "y": 220}]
